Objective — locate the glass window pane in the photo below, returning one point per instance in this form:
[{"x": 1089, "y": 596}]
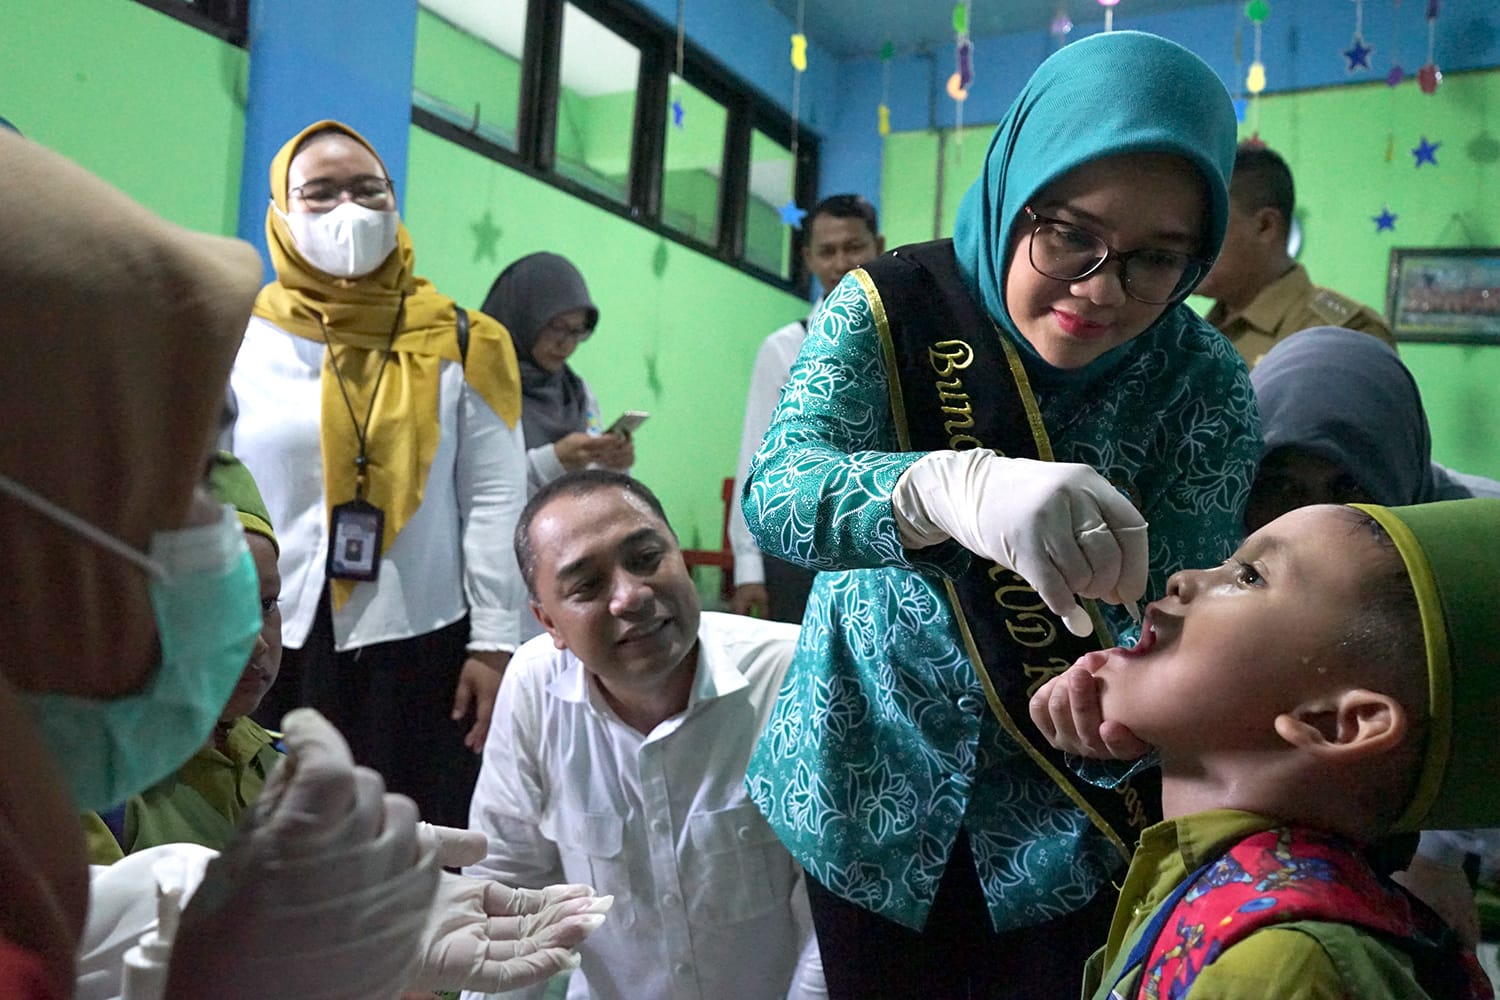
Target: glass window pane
[
  {"x": 468, "y": 64},
  {"x": 768, "y": 242},
  {"x": 596, "y": 104},
  {"x": 693, "y": 162}
]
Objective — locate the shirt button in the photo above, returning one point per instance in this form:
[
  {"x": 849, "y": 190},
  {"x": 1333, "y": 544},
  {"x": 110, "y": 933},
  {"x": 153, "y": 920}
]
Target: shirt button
[
  {"x": 682, "y": 968},
  {"x": 659, "y": 826},
  {"x": 968, "y": 703},
  {"x": 669, "y": 900}
]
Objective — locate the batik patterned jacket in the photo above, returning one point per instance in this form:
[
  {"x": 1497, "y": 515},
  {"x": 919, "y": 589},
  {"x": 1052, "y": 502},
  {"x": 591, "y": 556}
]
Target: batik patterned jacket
[{"x": 881, "y": 745}]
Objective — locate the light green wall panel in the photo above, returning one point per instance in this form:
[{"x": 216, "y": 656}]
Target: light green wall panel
[
  {"x": 678, "y": 330},
  {"x": 152, "y": 105},
  {"x": 1335, "y": 141}
]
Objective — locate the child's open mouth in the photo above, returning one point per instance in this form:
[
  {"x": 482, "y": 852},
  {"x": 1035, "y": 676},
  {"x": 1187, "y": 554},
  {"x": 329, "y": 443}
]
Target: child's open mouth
[{"x": 1147, "y": 639}]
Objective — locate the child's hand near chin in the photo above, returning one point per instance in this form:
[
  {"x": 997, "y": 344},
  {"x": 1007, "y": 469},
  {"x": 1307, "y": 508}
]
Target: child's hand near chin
[{"x": 1068, "y": 711}]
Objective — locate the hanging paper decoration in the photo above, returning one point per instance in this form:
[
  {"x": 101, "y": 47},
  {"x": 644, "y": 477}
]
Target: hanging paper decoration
[
  {"x": 1358, "y": 53},
  {"x": 1397, "y": 72},
  {"x": 887, "y": 52},
  {"x": 678, "y": 111},
  {"x": 1109, "y": 13},
  {"x": 1062, "y": 24},
  {"x": 1255, "y": 80},
  {"x": 963, "y": 73},
  {"x": 1386, "y": 220},
  {"x": 1426, "y": 152},
  {"x": 791, "y": 215},
  {"x": 1429, "y": 76},
  {"x": 799, "y": 52}
]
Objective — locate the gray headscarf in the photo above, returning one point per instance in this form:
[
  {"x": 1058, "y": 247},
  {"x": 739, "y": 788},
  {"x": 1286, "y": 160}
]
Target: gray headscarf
[
  {"x": 526, "y": 296},
  {"x": 1346, "y": 397}
]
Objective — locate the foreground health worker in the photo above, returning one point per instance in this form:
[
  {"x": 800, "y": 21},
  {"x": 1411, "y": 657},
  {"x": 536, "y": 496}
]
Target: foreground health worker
[
  {"x": 132, "y": 611},
  {"x": 949, "y": 848},
  {"x": 383, "y": 426}
]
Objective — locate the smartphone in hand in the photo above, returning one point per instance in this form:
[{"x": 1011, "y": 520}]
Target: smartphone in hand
[{"x": 628, "y": 422}]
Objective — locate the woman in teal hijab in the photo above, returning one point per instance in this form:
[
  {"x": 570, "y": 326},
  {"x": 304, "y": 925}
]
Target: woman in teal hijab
[{"x": 980, "y": 436}]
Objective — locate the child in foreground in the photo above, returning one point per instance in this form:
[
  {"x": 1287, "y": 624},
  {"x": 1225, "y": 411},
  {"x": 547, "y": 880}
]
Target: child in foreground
[{"x": 1333, "y": 684}]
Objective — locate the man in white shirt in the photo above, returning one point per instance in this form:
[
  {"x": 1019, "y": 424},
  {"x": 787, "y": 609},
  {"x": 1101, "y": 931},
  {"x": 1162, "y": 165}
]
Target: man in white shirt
[
  {"x": 617, "y": 751},
  {"x": 842, "y": 233}
]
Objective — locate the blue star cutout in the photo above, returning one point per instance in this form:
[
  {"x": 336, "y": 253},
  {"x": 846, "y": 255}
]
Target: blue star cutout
[
  {"x": 677, "y": 113},
  {"x": 1359, "y": 54},
  {"x": 486, "y": 235},
  {"x": 1386, "y": 220},
  {"x": 791, "y": 215},
  {"x": 1426, "y": 152}
]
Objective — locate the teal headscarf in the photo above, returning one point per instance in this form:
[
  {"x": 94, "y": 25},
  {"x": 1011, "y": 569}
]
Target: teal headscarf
[{"x": 1112, "y": 93}]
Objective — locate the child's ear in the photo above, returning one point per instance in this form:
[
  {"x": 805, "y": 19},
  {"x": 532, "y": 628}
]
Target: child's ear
[{"x": 1355, "y": 723}]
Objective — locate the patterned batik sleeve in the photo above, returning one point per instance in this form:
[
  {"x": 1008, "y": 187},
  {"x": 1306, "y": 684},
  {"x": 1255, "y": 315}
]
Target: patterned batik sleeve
[
  {"x": 1200, "y": 518},
  {"x": 819, "y": 489}
]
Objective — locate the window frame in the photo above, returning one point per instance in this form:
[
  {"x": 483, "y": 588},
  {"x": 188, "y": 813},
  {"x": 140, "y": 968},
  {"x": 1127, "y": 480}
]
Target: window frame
[
  {"x": 228, "y": 20},
  {"x": 748, "y": 111}
]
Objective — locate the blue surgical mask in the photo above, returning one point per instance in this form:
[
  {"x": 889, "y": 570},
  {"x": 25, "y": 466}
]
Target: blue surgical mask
[{"x": 206, "y": 599}]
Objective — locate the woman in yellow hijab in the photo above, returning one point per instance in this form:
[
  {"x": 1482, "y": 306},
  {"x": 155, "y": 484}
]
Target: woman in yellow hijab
[{"x": 382, "y": 423}]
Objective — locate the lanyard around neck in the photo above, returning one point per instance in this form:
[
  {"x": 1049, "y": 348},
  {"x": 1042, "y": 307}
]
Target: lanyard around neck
[{"x": 362, "y": 432}]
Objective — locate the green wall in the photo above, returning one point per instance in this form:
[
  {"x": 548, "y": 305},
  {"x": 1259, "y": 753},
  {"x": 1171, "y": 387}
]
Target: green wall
[
  {"x": 1336, "y": 141},
  {"x": 150, "y": 104},
  {"x": 678, "y": 330}
]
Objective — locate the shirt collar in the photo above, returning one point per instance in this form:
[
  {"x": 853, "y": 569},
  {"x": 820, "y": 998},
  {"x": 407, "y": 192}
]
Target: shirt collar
[{"x": 716, "y": 676}]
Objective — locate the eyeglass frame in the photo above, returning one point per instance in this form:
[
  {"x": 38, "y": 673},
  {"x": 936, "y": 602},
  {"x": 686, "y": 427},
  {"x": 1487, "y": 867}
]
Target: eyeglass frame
[
  {"x": 342, "y": 188},
  {"x": 576, "y": 334},
  {"x": 1181, "y": 291}
]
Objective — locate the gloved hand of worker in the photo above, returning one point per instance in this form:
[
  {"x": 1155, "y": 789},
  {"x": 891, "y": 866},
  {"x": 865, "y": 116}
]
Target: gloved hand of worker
[
  {"x": 1060, "y": 526},
  {"x": 487, "y": 937},
  {"x": 324, "y": 892}
]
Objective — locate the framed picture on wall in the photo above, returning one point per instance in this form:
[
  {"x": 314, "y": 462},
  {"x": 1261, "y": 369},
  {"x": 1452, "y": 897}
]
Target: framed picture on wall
[{"x": 1445, "y": 294}]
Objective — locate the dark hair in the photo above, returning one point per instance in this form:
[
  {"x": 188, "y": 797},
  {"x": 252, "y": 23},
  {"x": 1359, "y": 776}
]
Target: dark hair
[
  {"x": 844, "y": 206},
  {"x": 1261, "y": 179},
  {"x": 1384, "y": 640},
  {"x": 575, "y": 484},
  {"x": 1387, "y": 628}
]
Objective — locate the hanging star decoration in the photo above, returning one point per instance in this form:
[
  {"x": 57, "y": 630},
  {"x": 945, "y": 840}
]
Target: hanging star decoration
[
  {"x": 486, "y": 235},
  {"x": 1358, "y": 55},
  {"x": 1386, "y": 220},
  {"x": 1426, "y": 152},
  {"x": 791, "y": 215},
  {"x": 677, "y": 113}
]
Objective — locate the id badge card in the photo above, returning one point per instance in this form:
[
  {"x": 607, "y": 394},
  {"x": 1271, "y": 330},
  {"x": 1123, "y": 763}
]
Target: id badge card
[{"x": 355, "y": 532}]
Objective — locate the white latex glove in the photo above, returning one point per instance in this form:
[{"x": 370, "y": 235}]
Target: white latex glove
[
  {"x": 1060, "y": 526},
  {"x": 487, "y": 937},
  {"x": 324, "y": 892}
]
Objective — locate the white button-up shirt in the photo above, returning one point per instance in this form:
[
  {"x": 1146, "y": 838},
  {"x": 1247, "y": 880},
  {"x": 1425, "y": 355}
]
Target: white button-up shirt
[
  {"x": 708, "y": 904},
  {"x": 454, "y": 556},
  {"x": 773, "y": 367}
]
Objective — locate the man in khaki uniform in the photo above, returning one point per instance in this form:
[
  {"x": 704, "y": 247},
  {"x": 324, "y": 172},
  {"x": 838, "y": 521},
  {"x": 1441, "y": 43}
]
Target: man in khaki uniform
[{"x": 1263, "y": 294}]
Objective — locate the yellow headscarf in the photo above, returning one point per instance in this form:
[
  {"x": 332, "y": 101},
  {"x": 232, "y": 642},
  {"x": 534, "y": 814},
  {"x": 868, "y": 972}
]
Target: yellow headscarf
[{"x": 360, "y": 314}]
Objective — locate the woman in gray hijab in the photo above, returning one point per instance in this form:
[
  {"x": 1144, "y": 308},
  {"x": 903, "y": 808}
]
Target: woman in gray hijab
[
  {"x": 1343, "y": 423},
  {"x": 543, "y": 301}
]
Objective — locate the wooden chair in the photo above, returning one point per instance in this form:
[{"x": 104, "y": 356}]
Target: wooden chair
[{"x": 723, "y": 556}]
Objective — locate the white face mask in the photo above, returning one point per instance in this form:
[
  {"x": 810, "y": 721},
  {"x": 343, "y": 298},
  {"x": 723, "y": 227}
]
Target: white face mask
[{"x": 348, "y": 242}]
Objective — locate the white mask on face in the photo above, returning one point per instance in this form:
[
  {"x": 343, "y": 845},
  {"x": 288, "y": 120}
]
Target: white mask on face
[{"x": 348, "y": 242}]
